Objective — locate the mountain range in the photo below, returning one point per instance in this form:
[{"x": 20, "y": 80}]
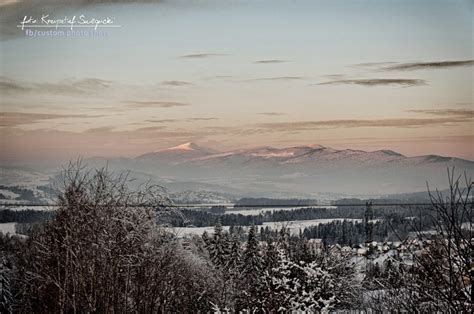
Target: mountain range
[
  {"x": 303, "y": 171},
  {"x": 309, "y": 171}
]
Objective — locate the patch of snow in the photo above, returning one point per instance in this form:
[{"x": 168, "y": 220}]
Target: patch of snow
[
  {"x": 8, "y": 227},
  {"x": 25, "y": 207},
  {"x": 9, "y": 194},
  {"x": 293, "y": 226},
  {"x": 185, "y": 146},
  {"x": 182, "y": 231}
]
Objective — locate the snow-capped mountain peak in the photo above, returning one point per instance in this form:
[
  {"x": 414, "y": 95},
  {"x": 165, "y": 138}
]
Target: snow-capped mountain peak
[
  {"x": 178, "y": 153},
  {"x": 185, "y": 146}
]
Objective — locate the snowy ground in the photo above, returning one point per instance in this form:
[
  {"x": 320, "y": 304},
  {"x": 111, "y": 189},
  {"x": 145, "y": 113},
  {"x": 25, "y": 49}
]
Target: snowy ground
[
  {"x": 182, "y": 231},
  {"x": 8, "y": 227},
  {"x": 293, "y": 226},
  {"x": 25, "y": 207},
  {"x": 9, "y": 194}
]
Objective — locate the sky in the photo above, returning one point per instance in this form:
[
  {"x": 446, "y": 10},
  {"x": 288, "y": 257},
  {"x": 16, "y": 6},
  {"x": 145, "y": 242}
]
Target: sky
[{"x": 232, "y": 74}]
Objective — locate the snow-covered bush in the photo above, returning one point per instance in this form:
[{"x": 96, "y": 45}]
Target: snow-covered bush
[{"x": 104, "y": 252}]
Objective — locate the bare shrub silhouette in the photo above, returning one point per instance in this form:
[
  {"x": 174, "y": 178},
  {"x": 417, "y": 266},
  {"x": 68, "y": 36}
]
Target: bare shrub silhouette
[
  {"x": 441, "y": 277},
  {"x": 104, "y": 252}
]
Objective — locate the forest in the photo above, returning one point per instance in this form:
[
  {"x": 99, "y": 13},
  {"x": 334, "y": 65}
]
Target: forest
[{"x": 107, "y": 250}]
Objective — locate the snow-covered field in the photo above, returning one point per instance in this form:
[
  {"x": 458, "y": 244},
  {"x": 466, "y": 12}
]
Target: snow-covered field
[
  {"x": 25, "y": 207},
  {"x": 293, "y": 226},
  {"x": 8, "y": 227},
  {"x": 9, "y": 194},
  {"x": 257, "y": 211},
  {"x": 182, "y": 231},
  {"x": 11, "y": 201}
]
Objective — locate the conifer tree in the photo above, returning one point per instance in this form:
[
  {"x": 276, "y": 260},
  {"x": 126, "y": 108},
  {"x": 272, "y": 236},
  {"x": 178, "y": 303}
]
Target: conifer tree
[
  {"x": 252, "y": 261},
  {"x": 270, "y": 297},
  {"x": 205, "y": 238},
  {"x": 251, "y": 275},
  {"x": 218, "y": 247},
  {"x": 235, "y": 254}
]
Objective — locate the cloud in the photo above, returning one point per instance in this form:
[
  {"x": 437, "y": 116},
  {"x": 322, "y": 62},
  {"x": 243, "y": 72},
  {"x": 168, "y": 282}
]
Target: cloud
[
  {"x": 269, "y": 61},
  {"x": 182, "y": 120},
  {"x": 137, "y": 133},
  {"x": 162, "y": 120},
  {"x": 176, "y": 83},
  {"x": 217, "y": 77},
  {"x": 361, "y": 123},
  {"x": 428, "y": 65},
  {"x": 107, "y": 109},
  {"x": 51, "y": 144},
  {"x": 74, "y": 86},
  {"x": 378, "y": 82},
  {"x": 397, "y": 66},
  {"x": 445, "y": 112},
  {"x": 277, "y": 78},
  {"x": 150, "y": 129},
  {"x": 271, "y": 113},
  {"x": 99, "y": 130},
  {"x": 89, "y": 93},
  {"x": 9, "y": 86},
  {"x": 155, "y": 104},
  {"x": 201, "y": 55},
  {"x": 202, "y": 119},
  {"x": 334, "y": 76},
  {"x": 373, "y": 64},
  {"x": 12, "y": 119},
  {"x": 66, "y": 86}
]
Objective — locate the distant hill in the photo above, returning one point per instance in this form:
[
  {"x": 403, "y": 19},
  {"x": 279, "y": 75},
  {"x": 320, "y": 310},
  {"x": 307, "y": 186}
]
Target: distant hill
[
  {"x": 308, "y": 171},
  {"x": 267, "y": 202}
]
